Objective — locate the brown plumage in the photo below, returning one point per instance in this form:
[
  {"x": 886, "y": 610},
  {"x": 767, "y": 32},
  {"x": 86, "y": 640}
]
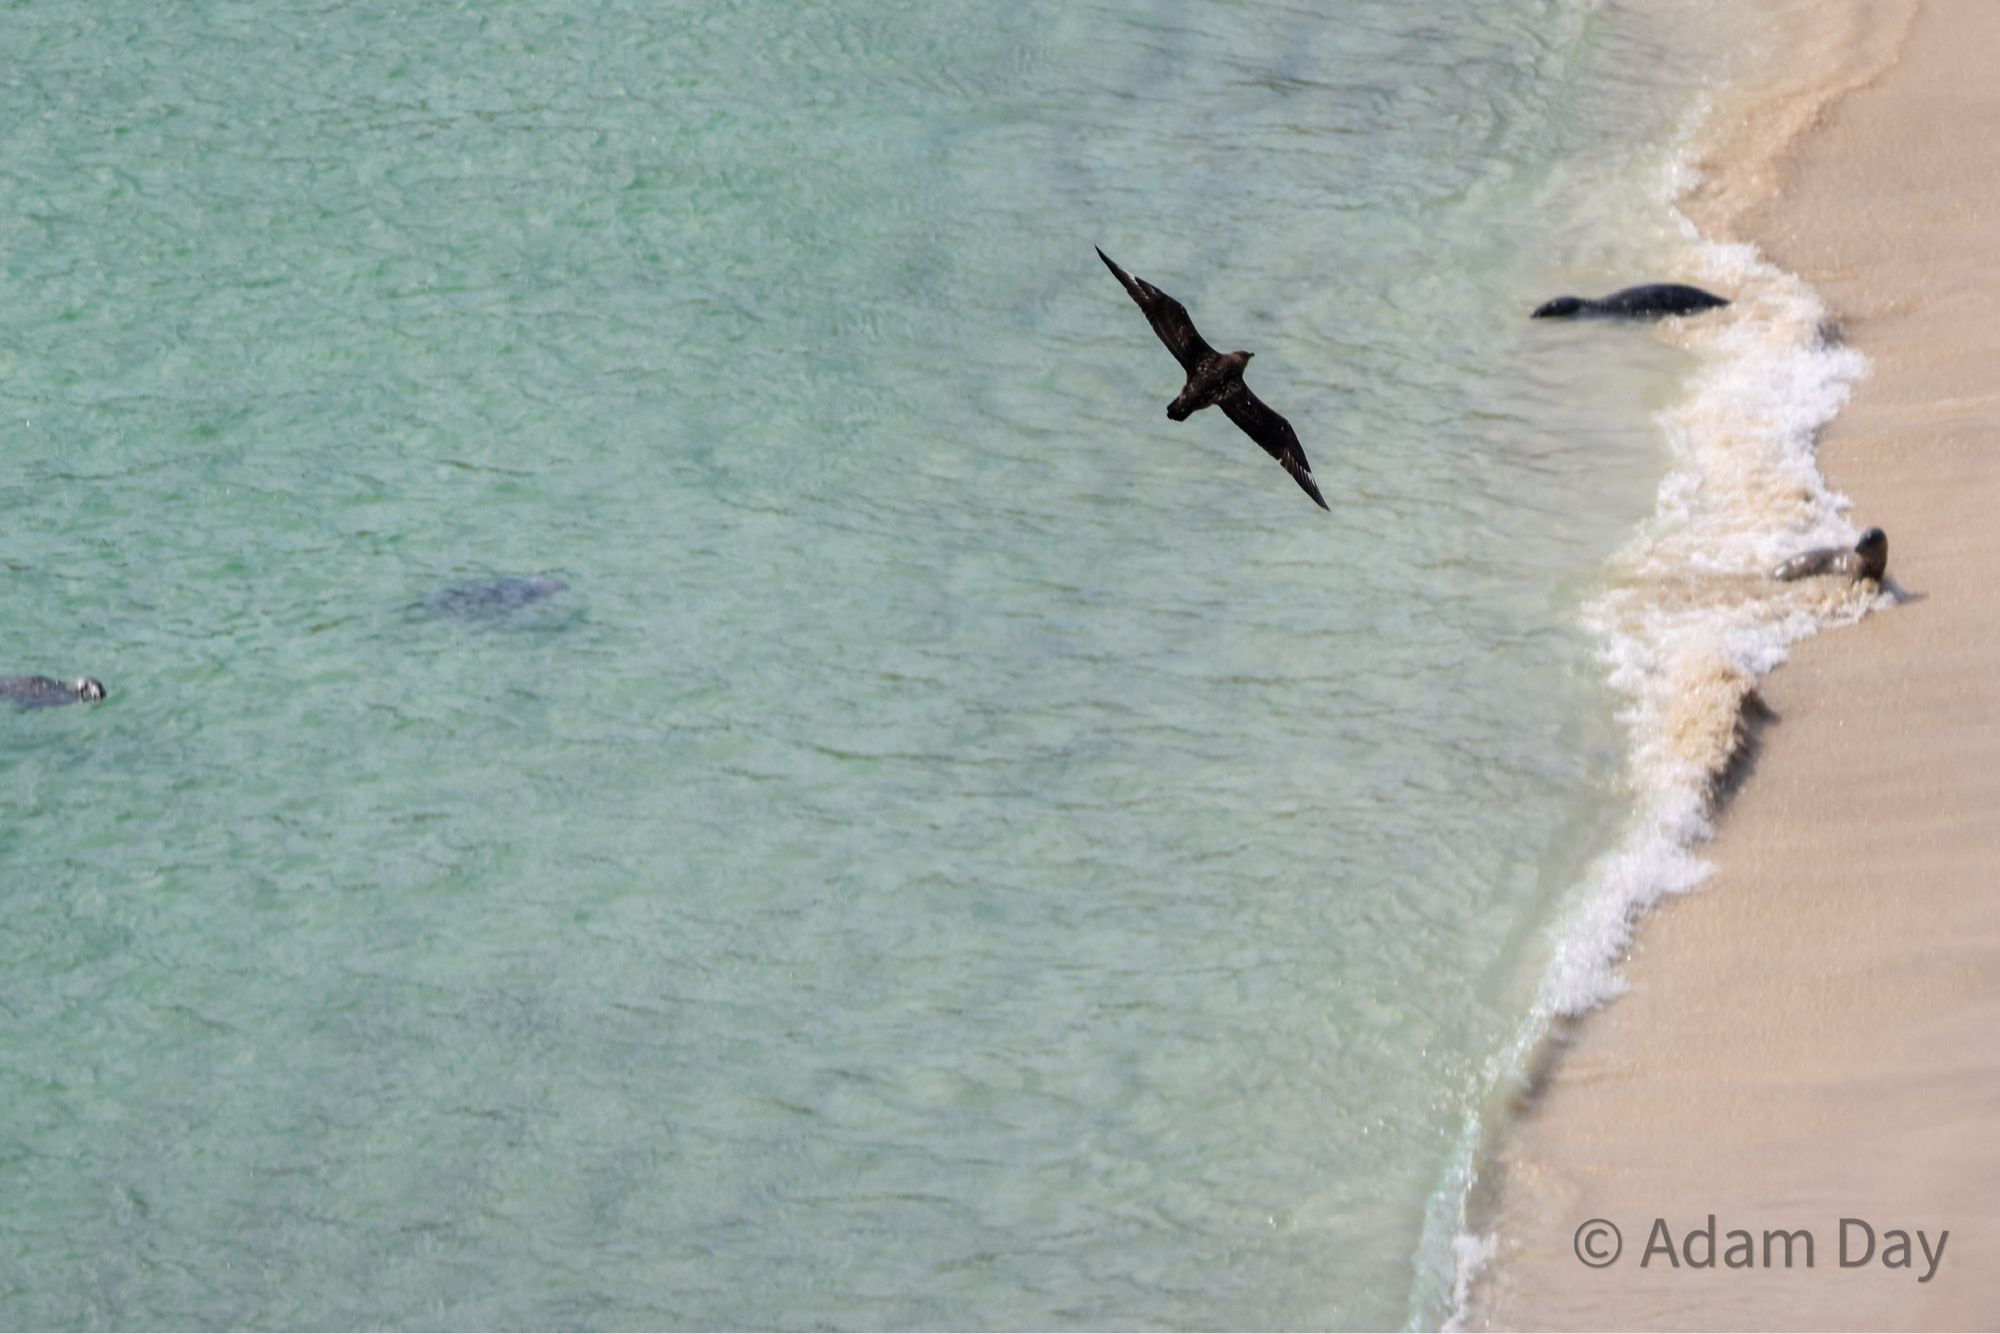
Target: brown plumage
[{"x": 1215, "y": 379}]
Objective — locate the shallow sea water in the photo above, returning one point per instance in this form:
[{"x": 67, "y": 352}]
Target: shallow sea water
[{"x": 963, "y": 850}]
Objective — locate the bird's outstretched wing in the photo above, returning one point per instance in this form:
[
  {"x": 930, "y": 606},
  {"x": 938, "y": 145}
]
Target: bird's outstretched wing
[
  {"x": 1168, "y": 317},
  {"x": 1274, "y": 433}
]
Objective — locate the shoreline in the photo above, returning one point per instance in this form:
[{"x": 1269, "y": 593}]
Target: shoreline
[{"x": 1801, "y": 1038}]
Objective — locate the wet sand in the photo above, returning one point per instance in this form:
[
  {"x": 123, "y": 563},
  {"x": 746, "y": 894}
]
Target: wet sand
[{"x": 1811, "y": 1035}]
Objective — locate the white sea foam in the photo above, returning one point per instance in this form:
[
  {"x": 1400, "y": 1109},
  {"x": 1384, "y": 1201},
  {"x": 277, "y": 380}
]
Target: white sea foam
[
  {"x": 1470, "y": 1256},
  {"x": 1691, "y": 620}
]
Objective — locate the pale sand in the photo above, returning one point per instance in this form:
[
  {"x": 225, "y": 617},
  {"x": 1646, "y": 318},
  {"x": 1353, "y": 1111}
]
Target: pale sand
[{"x": 1815, "y": 1033}]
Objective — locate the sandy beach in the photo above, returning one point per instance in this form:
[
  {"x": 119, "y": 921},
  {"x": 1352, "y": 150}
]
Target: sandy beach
[{"x": 1808, "y": 1038}]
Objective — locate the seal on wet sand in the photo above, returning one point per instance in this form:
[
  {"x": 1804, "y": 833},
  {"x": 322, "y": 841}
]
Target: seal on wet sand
[
  {"x": 45, "y": 692},
  {"x": 1649, "y": 302},
  {"x": 1868, "y": 559}
]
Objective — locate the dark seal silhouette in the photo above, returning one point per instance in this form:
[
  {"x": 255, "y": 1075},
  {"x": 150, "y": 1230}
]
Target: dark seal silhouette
[
  {"x": 44, "y": 692},
  {"x": 493, "y": 597},
  {"x": 1215, "y": 379},
  {"x": 1649, "y": 302},
  {"x": 1868, "y": 559}
]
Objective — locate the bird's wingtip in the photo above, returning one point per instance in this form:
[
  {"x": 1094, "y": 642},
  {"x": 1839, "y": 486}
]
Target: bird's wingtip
[{"x": 1306, "y": 483}]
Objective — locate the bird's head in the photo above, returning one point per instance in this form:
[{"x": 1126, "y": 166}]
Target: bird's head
[
  {"x": 88, "y": 688},
  {"x": 1560, "y": 308}
]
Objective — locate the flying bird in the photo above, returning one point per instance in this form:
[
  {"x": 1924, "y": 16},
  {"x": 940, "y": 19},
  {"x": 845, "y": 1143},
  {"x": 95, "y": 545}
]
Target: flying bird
[{"x": 1215, "y": 379}]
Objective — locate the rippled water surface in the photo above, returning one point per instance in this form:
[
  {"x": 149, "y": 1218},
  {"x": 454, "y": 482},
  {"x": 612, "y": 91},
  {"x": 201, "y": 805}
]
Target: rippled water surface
[{"x": 961, "y": 849}]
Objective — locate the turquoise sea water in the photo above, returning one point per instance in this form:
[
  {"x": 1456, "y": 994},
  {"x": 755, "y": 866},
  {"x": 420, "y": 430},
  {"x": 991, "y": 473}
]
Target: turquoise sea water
[{"x": 964, "y": 850}]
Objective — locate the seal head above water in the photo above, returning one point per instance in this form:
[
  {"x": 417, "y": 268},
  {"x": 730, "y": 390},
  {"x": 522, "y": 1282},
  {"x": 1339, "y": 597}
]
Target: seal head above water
[
  {"x": 45, "y": 692},
  {"x": 1649, "y": 302},
  {"x": 1867, "y": 559}
]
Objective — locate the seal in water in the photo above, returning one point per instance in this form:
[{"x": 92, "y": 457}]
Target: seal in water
[
  {"x": 1215, "y": 379},
  {"x": 493, "y": 597},
  {"x": 1868, "y": 560},
  {"x": 45, "y": 692},
  {"x": 1649, "y": 302}
]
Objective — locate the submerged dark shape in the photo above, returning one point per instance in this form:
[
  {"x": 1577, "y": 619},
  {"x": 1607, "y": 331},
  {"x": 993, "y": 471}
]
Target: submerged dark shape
[
  {"x": 1649, "y": 302},
  {"x": 1868, "y": 559},
  {"x": 493, "y": 597},
  {"x": 1215, "y": 379},
  {"x": 45, "y": 692}
]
